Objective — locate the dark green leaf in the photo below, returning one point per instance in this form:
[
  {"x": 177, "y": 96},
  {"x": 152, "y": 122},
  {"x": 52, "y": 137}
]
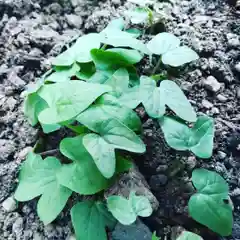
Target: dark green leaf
[
  {"x": 90, "y": 219},
  {"x": 87, "y": 71},
  {"x": 207, "y": 206},
  {"x": 82, "y": 176}
]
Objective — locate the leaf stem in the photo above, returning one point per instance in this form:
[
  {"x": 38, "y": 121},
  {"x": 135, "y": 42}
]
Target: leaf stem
[
  {"x": 157, "y": 66},
  {"x": 49, "y": 152}
]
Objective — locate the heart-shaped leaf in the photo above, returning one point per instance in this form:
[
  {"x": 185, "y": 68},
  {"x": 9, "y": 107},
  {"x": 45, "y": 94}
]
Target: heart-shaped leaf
[
  {"x": 198, "y": 139},
  {"x": 127, "y": 210},
  {"x": 90, "y": 219},
  {"x": 117, "y": 23},
  {"x": 169, "y": 93},
  {"x": 66, "y": 100},
  {"x": 38, "y": 177},
  {"x": 82, "y": 176},
  {"x": 207, "y": 206}
]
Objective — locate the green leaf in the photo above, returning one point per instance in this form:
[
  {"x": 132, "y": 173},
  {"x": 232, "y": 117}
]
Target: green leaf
[
  {"x": 48, "y": 128},
  {"x": 169, "y": 93},
  {"x": 167, "y": 45},
  {"x": 140, "y": 205},
  {"x": 81, "y": 176},
  {"x": 118, "y": 38},
  {"x": 63, "y": 74},
  {"x": 80, "y": 51},
  {"x": 207, "y": 206},
  {"x": 127, "y": 210},
  {"x": 39, "y": 177},
  {"x": 154, "y": 237},
  {"x": 135, "y": 32},
  {"x": 87, "y": 71},
  {"x": 121, "y": 209},
  {"x": 132, "y": 56},
  {"x": 117, "y": 23},
  {"x": 90, "y": 219},
  {"x": 105, "y": 60},
  {"x": 66, "y": 100},
  {"x": 163, "y": 43},
  {"x": 138, "y": 15},
  {"x": 131, "y": 97},
  {"x": 198, "y": 139},
  {"x": 123, "y": 164},
  {"x": 185, "y": 235},
  {"x": 119, "y": 81},
  {"x": 174, "y": 98},
  {"x": 179, "y": 56}
]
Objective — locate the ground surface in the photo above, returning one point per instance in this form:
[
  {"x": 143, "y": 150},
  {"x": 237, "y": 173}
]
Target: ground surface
[{"x": 32, "y": 31}]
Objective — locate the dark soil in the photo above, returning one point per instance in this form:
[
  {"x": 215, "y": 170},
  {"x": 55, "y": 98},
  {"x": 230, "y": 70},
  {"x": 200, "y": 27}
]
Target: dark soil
[{"x": 33, "y": 31}]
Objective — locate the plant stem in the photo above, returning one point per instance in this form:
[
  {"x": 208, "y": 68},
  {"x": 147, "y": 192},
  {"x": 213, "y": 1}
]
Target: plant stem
[
  {"x": 104, "y": 47},
  {"x": 49, "y": 152},
  {"x": 157, "y": 66}
]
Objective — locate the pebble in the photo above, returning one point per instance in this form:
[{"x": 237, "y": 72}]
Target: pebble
[
  {"x": 212, "y": 84},
  {"x": 157, "y": 181},
  {"x": 72, "y": 237},
  {"x": 221, "y": 155},
  {"x": 237, "y": 67},
  {"x": 74, "y": 20},
  {"x": 9, "y": 204},
  {"x": 206, "y": 104},
  {"x": 238, "y": 92},
  {"x": 233, "y": 40},
  {"x": 22, "y": 155},
  {"x": 221, "y": 98}
]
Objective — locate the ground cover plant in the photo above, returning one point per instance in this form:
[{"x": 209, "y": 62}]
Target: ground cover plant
[{"x": 93, "y": 89}]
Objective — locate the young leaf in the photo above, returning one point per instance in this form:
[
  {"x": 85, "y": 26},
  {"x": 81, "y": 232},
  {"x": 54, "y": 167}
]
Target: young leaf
[
  {"x": 127, "y": 210},
  {"x": 135, "y": 32},
  {"x": 48, "y": 128},
  {"x": 140, "y": 205},
  {"x": 39, "y": 177},
  {"x": 117, "y": 23},
  {"x": 90, "y": 219},
  {"x": 80, "y": 51},
  {"x": 138, "y": 15},
  {"x": 68, "y": 99},
  {"x": 185, "y": 235},
  {"x": 123, "y": 39},
  {"x": 105, "y": 60},
  {"x": 179, "y": 56},
  {"x": 207, "y": 206},
  {"x": 82, "y": 176},
  {"x": 63, "y": 74},
  {"x": 154, "y": 237},
  {"x": 101, "y": 76},
  {"x": 167, "y": 45},
  {"x": 163, "y": 43},
  {"x": 121, "y": 209},
  {"x": 154, "y": 99},
  {"x": 87, "y": 71},
  {"x": 199, "y": 139}
]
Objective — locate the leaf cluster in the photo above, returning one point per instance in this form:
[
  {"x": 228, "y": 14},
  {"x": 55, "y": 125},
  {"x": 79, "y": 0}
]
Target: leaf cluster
[{"x": 93, "y": 89}]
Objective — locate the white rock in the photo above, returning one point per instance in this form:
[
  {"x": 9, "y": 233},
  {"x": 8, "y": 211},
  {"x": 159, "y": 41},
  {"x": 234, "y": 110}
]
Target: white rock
[
  {"x": 237, "y": 67},
  {"x": 9, "y": 204},
  {"x": 221, "y": 98},
  {"x": 72, "y": 237},
  {"x": 22, "y": 155},
  {"x": 212, "y": 84},
  {"x": 74, "y": 20},
  {"x": 233, "y": 40},
  {"x": 207, "y": 104}
]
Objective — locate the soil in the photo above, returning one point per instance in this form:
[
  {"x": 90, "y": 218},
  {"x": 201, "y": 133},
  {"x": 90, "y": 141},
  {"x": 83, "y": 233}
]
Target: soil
[{"x": 34, "y": 31}]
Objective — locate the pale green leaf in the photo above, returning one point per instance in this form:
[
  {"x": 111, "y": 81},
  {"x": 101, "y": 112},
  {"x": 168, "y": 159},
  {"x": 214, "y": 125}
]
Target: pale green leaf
[
  {"x": 137, "y": 15},
  {"x": 185, "y": 235},
  {"x": 81, "y": 176},
  {"x": 163, "y": 43},
  {"x": 66, "y": 100},
  {"x": 135, "y": 32},
  {"x": 117, "y": 23},
  {"x": 89, "y": 220},
  {"x": 179, "y": 56},
  {"x": 131, "y": 97}
]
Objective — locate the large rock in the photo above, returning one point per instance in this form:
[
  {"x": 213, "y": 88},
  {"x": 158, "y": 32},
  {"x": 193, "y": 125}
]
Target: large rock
[
  {"x": 135, "y": 231},
  {"x": 133, "y": 181}
]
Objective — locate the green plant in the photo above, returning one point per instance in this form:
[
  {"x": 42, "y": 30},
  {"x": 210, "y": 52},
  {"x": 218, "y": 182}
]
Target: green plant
[
  {"x": 92, "y": 90},
  {"x": 154, "y": 237},
  {"x": 185, "y": 235}
]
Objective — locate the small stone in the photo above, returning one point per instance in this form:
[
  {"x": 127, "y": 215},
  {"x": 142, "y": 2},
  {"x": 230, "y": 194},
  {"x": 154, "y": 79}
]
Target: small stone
[
  {"x": 22, "y": 155},
  {"x": 74, "y": 20},
  {"x": 237, "y": 67},
  {"x": 17, "y": 226},
  {"x": 215, "y": 110},
  {"x": 72, "y": 237},
  {"x": 238, "y": 93},
  {"x": 221, "y": 155},
  {"x": 15, "y": 80},
  {"x": 9, "y": 204},
  {"x": 221, "y": 98},
  {"x": 206, "y": 104},
  {"x": 7, "y": 149},
  {"x": 233, "y": 40},
  {"x": 212, "y": 84},
  {"x": 191, "y": 162},
  {"x": 157, "y": 181},
  {"x": 38, "y": 236}
]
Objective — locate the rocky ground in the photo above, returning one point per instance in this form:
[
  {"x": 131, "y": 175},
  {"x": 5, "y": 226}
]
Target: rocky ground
[{"x": 33, "y": 31}]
